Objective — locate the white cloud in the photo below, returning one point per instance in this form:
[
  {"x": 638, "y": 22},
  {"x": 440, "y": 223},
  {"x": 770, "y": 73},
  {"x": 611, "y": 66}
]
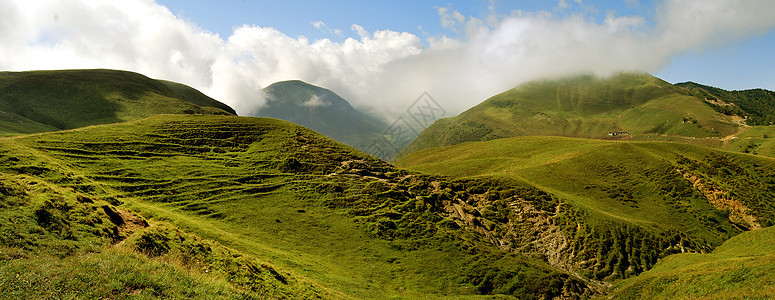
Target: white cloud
[
  {"x": 623, "y": 23},
  {"x": 382, "y": 70},
  {"x": 319, "y": 24},
  {"x": 315, "y": 101},
  {"x": 450, "y": 19},
  {"x": 135, "y": 35},
  {"x": 529, "y": 45}
]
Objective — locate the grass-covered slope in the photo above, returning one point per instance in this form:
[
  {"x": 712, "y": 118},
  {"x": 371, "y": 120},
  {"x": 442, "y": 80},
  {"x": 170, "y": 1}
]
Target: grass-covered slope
[
  {"x": 703, "y": 195},
  {"x": 321, "y": 110},
  {"x": 60, "y": 243},
  {"x": 628, "y": 105},
  {"x": 13, "y": 124},
  {"x": 38, "y": 101},
  {"x": 251, "y": 207},
  {"x": 757, "y": 140},
  {"x": 741, "y": 268},
  {"x": 757, "y": 106}
]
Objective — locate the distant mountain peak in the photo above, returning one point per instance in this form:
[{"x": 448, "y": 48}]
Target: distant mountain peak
[
  {"x": 321, "y": 110},
  {"x": 315, "y": 101},
  {"x": 303, "y": 94}
]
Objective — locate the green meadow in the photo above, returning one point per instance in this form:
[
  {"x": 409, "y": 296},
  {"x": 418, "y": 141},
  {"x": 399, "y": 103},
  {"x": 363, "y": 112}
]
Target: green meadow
[
  {"x": 705, "y": 195},
  {"x": 312, "y": 217},
  {"x": 114, "y": 185},
  {"x": 741, "y": 268}
]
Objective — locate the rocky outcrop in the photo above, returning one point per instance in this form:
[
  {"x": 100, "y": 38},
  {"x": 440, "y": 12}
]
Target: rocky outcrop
[{"x": 739, "y": 214}]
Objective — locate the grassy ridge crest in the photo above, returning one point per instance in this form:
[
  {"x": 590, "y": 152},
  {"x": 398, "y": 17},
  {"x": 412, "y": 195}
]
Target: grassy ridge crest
[
  {"x": 37, "y": 101},
  {"x": 629, "y": 106}
]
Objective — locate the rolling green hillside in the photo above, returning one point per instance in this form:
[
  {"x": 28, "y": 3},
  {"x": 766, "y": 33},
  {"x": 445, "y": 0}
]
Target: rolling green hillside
[
  {"x": 39, "y": 101},
  {"x": 191, "y": 204},
  {"x": 758, "y": 140},
  {"x": 321, "y": 110},
  {"x": 741, "y": 268},
  {"x": 249, "y": 207},
  {"x": 757, "y": 106},
  {"x": 704, "y": 195},
  {"x": 634, "y": 106}
]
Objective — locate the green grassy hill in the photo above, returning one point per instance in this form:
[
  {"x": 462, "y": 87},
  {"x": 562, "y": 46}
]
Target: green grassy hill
[
  {"x": 757, "y": 106},
  {"x": 321, "y": 110},
  {"x": 191, "y": 205},
  {"x": 757, "y": 140},
  {"x": 741, "y": 268},
  {"x": 39, "y": 101},
  {"x": 249, "y": 207},
  {"x": 640, "y": 106},
  {"x": 626, "y": 189}
]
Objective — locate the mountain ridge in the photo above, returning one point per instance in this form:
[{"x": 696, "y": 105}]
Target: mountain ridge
[
  {"x": 321, "y": 110},
  {"x": 757, "y": 106},
  {"x": 631, "y": 106},
  {"x": 35, "y": 101}
]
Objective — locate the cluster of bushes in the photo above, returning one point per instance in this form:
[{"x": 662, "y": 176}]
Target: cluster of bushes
[
  {"x": 758, "y": 105},
  {"x": 409, "y": 210},
  {"x": 750, "y": 183},
  {"x": 616, "y": 250},
  {"x": 50, "y": 219},
  {"x": 243, "y": 271}
]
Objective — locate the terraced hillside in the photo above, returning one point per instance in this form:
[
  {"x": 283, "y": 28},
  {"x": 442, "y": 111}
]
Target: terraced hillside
[
  {"x": 39, "y": 101},
  {"x": 624, "y": 189},
  {"x": 251, "y": 207},
  {"x": 630, "y": 106}
]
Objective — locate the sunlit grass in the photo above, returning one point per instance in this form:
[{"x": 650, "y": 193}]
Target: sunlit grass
[
  {"x": 741, "y": 268},
  {"x": 331, "y": 220},
  {"x": 39, "y": 101}
]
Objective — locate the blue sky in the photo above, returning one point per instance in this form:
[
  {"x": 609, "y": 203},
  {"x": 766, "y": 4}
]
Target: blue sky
[
  {"x": 743, "y": 65},
  {"x": 295, "y": 17},
  {"x": 382, "y": 55}
]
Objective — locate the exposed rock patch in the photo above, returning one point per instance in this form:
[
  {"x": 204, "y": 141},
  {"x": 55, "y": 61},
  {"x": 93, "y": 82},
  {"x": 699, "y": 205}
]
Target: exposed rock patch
[{"x": 739, "y": 214}]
